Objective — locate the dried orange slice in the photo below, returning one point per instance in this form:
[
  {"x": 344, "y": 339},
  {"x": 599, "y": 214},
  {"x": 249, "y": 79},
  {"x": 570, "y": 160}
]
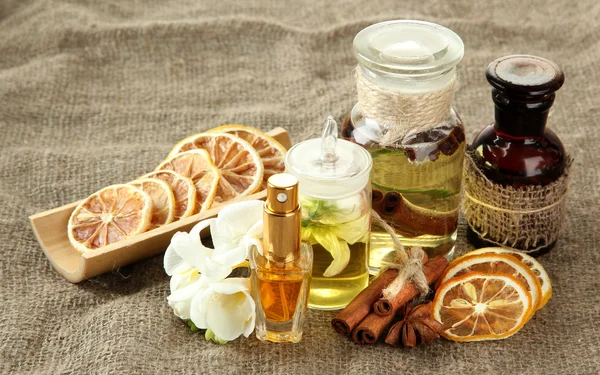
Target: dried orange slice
[
  {"x": 183, "y": 189},
  {"x": 197, "y": 165},
  {"x": 163, "y": 200},
  {"x": 110, "y": 215},
  {"x": 495, "y": 263},
  {"x": 272, "y": 153},
  {"x": 538, "y": 270},
  {"x": 477, "y": 306},
  {"x": 239, "y": 163}
]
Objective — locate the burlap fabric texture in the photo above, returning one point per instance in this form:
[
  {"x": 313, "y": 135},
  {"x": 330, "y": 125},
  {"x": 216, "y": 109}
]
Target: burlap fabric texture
[
  {"x": 94, "y": 93},
  {"x": 526, "y": 218}
]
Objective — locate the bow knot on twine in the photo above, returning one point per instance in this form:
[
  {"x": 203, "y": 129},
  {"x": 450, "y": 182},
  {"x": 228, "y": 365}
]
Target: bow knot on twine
[{"x": 408, "y": 264}]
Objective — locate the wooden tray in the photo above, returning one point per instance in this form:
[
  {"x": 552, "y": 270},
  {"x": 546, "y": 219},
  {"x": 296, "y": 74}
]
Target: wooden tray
[{"x": 50, "y": 228}]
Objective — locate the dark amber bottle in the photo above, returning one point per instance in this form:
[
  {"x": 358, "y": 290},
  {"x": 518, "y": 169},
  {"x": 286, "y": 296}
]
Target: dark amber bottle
[{"x": 517, "y": 149}]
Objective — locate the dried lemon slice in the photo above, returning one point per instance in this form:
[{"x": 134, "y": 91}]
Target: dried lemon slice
[
  {"x": 163, "y": 200},
  {"x": 478, "y": 306},
  {"x": 183, "y": 189},
  {"x": 110, "y": 215},
  {"x": 495, "y": 263},
  {"x": 538, "y": 270},
  {"x": 197, "y": 165},
  {"x": 239, "y": 163},
  {"x": 272, "y": 153}
]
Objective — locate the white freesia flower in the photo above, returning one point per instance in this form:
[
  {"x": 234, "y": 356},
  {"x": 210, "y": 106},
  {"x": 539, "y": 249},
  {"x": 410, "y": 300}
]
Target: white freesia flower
[
  {"x": 199, "y": 288},
  {"x": 187, "y": 255},
  {"x": 237, "y": 228},
  {"x": 180, "y": 299},
  {"x": 226, "y": 308}
]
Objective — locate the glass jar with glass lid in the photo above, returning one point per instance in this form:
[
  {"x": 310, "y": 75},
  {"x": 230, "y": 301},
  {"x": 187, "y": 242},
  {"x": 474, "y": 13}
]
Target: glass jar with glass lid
[
  {"x": 335, "y": 194},
  {"x": 405, "y": 81}
]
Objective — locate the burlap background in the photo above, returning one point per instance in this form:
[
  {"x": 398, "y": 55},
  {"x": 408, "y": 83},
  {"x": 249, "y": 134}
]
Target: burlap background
[{"x": 96, "y": 92}]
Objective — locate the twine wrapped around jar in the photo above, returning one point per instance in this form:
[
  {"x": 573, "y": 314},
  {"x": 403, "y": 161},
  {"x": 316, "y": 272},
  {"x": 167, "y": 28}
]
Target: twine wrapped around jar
[
  {"x": 400, "y": 113},
  {"x": 527, "y": 218}
]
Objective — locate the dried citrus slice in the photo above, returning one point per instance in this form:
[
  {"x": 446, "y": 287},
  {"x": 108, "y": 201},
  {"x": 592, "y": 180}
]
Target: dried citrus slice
[
  {"x": 163, "y": 200},
  {"x": 110, "y": 215},
  {"x": 477, "y": 306},
  {"x": 239, "y": 163},
  {"x": 197, "y": 165},
  {"x": 272, "y": 153},
  {"x": 538, "y": 270},
  {"x": 183, "y": 189},
  {"x": 495, "y": 263}
]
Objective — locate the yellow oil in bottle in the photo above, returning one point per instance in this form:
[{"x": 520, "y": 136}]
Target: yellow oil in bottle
[
  {"x": 429, "y": 198},
  {"x": 416, "y": 187},
  {"x": 335, "y": 292}
]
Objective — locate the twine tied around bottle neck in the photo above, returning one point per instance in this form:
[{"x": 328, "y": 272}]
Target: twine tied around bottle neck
[
  {"x": 409, "y": 264},
  {"x": 403, "y": 113}
]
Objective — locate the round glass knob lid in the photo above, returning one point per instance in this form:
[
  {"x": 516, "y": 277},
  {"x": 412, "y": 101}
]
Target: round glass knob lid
[{"x": 408, "y": 48}]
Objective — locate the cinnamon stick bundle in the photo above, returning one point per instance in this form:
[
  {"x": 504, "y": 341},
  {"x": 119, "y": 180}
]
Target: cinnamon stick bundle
[
  {"x": 433, "y": 269},
  {"x": 347, "y": 319},
  {"x": 374, "y": 325}
]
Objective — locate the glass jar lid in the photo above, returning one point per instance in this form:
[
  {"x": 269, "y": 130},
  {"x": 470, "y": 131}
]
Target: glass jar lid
[
  {"x": 404, "y": 47},
  {"x": 329, "y": 167}
]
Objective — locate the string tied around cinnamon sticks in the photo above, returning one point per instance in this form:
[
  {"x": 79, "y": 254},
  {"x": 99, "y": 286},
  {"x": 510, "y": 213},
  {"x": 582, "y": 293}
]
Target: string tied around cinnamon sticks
[
  {"x": 408, "y": 264},
  {"x": 370, "y": 314}
]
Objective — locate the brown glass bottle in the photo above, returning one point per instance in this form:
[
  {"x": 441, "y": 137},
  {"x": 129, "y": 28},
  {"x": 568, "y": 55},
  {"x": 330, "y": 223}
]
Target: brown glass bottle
[{"x": 517, "y": 149}]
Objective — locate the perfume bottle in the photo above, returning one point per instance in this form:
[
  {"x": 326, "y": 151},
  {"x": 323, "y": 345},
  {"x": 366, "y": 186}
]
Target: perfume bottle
[
  {"x": 520, "y": 158},
  {"x": 336, "y": 214},
  {"x": 281, "y": 272},
  {"x": 405, "y": 81}
]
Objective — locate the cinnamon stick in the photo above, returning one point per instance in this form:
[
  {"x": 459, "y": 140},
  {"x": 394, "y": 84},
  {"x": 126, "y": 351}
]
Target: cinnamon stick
[
  {"x": 371, "y": 328},
  {"x": 377, "y": 196},
  {"x": 347, "y": 319},
  {"x": 413, "y": 221},
  {"x": 433, "y": 269}
]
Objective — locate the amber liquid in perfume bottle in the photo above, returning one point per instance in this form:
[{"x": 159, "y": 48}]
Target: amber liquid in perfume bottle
[
  {"x": 279, "y": 292},
  {"x": 281, "y": 271},
  {"x": 281, "y": 295}
]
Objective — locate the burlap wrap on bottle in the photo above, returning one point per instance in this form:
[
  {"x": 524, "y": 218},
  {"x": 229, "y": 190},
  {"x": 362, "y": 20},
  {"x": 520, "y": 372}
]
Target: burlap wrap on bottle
[{"x": 527, "y": 218}]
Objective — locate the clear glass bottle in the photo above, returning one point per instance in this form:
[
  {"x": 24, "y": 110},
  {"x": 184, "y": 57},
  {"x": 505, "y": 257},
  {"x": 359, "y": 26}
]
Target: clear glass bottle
[
  {"x": 407, "y": 72},
  {"x": 336, "y": 214},
  {"x": 281, "y": 272},
  {"x": 517, "y": 149}
]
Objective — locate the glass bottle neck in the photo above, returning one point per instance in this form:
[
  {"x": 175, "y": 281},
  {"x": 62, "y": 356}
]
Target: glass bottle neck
[
  {"x": 409, "y": 84},
  {"x": 521, "y": 118}
]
